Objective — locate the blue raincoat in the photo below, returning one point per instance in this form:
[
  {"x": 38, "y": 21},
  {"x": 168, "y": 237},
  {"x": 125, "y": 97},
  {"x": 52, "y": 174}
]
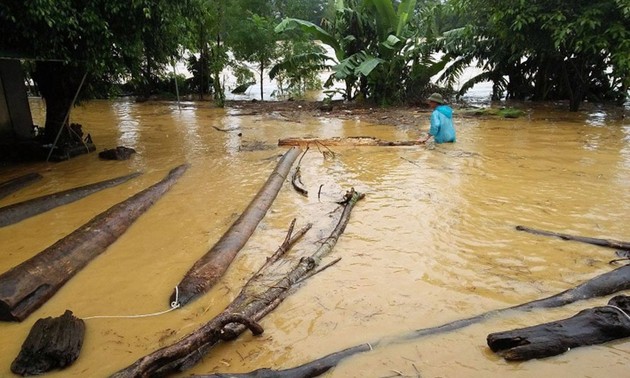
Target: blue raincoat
[{"x": 442, "y": 124}]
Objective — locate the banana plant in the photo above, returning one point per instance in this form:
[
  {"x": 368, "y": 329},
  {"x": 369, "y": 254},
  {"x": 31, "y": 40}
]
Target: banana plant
[{"x": 373, "y": 25}]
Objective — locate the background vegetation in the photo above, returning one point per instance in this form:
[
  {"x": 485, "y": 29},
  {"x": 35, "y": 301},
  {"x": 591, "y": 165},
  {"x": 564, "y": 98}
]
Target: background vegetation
[{"x": 386, "y": 52}]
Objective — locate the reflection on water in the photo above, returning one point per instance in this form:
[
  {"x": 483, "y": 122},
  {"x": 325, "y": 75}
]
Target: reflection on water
[
  {"x": 432, "y": 242},
  {"x": 127, "y": 124}
]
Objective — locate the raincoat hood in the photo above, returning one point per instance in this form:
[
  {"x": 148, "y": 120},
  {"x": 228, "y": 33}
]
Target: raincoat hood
[{"x": 446, "y": 110}]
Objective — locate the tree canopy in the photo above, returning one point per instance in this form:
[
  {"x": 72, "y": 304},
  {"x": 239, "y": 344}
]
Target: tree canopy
[
  {"x": 547, "y": 50},
  {"x": 385, "y": 50},
  {"x": 105, "y": 40}
]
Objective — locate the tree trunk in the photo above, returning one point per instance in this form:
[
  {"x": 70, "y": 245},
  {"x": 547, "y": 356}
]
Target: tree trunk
[
  {"x": 347, "y": 141},
  {"x": 58, "y": 83},
  {"x": 602, "y": 285},
  {"x": 262, "y": 78},
  {"x": 27, "y": 286},
  {"x": 250, "y": 306},
  {"x": 52, "y": 343},
  {"x": 588, "y": 327},
  {"x": 19, "y": 211},
  {"x": 609, "y": 243},
  {"x": 209, "y": 268},
  {"x": 311, "y": 369},
  {"x": 13, "y": 185}
]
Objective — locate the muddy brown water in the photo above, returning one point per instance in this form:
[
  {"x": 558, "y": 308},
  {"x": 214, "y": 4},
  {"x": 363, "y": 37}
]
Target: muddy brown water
[{"x": 433, "y": 241}]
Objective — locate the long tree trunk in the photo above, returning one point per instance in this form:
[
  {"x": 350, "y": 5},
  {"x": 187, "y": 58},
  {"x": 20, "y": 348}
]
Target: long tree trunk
[
  {"x": 27, "y": 286},
  {"x": 209, "y": 268},
  {"x": 609, "y": 243},
  {"x": 347, "y": 141},
  {"x": 262, "y": 77},
  {"x": 13, "y": 185},
  {"x": 249, "y": 307},
  {"x": 22, "y": 210},
  {"x": 599, "y": 286}
]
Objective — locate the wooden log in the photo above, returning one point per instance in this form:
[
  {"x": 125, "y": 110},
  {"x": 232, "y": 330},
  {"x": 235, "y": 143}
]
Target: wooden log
[
  {"x": 308, "y": 370},
  {"x": 609, "y": 243},
  {"x": 296, "y": 178},
  {"x": 27, "y": 286},
  {"x": 52, "y": 343},
  {"x": 118, "y": 153},
  {"x": 588, "y": 327},
  {"x": 252, "y": 303},
  {"x": 209, "y": 268},
  {"x": 346, "y": 141},
  {"x": 602, "y": 285},
  {"x": 13, "y": 185},
  {"x": 19, "y": 211}
]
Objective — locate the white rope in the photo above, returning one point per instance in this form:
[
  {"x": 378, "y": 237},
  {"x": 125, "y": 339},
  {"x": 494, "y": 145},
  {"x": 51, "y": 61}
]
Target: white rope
[
  {"x": 620, "y": 310},
  {"x": 174, "y": 305}
]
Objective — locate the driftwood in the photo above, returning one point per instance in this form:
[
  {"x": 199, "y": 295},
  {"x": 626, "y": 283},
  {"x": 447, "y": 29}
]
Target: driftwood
[
  {"x": 588, "y": 327},
  {"x": 296, "y": 179},
  {"x": 311, "y": 369},
  {"x": 118, "y": 153},
  {"x": 210, "y": 267},
  {"x": 600, "y": 242},
  {"x": 347, "y": 141},
  {"x": 52, "y": 343},
  {"x": 27, "y": 286},
  {"x": 19, "y": 211},
  {"x": 252, "y": 303},
  {"x": 13, "y": 185},
  {"x": 602, "y": 285}
]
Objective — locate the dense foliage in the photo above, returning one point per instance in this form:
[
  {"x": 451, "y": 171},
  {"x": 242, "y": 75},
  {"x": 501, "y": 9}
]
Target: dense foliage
[{"x": 546, "y": 49}]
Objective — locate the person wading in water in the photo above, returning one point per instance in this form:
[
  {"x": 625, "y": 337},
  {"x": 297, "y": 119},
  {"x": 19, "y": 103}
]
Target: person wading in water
[{"x": 442, "y": 129}]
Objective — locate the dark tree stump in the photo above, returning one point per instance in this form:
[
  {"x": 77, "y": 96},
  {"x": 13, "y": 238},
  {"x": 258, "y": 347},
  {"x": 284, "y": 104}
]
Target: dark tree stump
[
  {"x": 52, "y": 343},
  {"x": 118, "y": 153},
  {"x": 588, "y": 327}
]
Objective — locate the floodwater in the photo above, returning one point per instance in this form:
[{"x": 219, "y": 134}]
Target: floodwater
[{"x": 432, "y": 242}]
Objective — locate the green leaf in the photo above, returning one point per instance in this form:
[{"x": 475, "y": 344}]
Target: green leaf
[
  {"x": 368, "y": 65},
  {"x": 317, "y": 32}
]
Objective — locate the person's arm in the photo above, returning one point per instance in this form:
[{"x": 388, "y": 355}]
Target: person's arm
[{"x": 434, "y": 129}]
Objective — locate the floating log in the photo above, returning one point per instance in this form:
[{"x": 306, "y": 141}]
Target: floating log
[
  {"x": 588, "y": 327},
  {"x": 298, "y": 185},
  {"x": 13, "y": 185},
  {"x": 602, "y": 285},
  {"x": 19, "y": 211},
  {"x": 27, "y": 286},
  {"x": 311, "y": 369},
  {"x": 52, "y": 343},
  {"x": 296, "y": 178},
  {"x": 346, "y": 141},
  {"x": 118, "y": 153},
  {"x": 609, "y": 243},
  {"x": 210, "y": 267},
  {"x": 252, "y": 303}
]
